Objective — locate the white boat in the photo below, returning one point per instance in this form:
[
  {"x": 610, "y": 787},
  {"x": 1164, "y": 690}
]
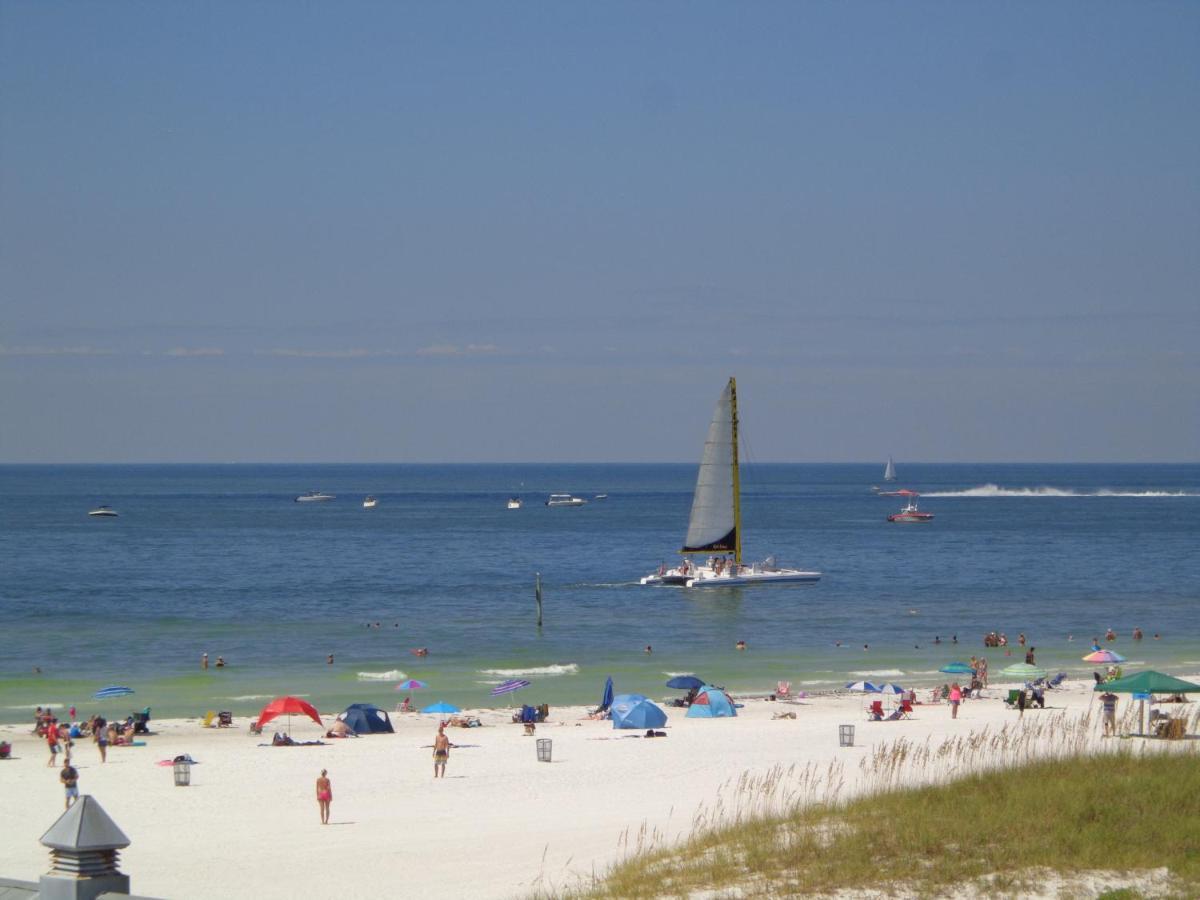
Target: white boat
[
  {"x": 565, "y": 500},
  {"x": 103, "y": 512},
  {"x": 514, "y": 502},
  {"x": 600, "y": 497},
  {"x": 315, "y": 497},
  {"x": 910, "y": 515},
  {"x": 369, "y": 503},
  {"x": 889, "y": 471},
  {"x": 715, "y": 525}
]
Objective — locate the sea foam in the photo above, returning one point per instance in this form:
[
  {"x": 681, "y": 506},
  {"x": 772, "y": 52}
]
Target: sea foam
[
  {"x": 995, "y": 490},
  {"x": 879, "y": 673},
  {"x": 557, "y": 669},
  {"x": 393, "y": 675}
]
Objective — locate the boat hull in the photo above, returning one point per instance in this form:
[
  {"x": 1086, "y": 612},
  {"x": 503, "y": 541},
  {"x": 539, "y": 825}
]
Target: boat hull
[
  {"x": 910, "y": 518},
  {"x": 781, "y": 576},
  {"x": 103, "y": 514}
]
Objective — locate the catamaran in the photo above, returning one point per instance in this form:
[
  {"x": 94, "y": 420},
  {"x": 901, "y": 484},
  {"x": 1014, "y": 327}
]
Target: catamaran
[{"x": 715, "y": 525}]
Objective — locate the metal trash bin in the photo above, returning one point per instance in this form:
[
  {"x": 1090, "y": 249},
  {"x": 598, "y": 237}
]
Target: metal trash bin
[
  {"x": 846, "y": 735},
  {"x": 544, "y": 746},
  {"x": 183, "y": 773}
]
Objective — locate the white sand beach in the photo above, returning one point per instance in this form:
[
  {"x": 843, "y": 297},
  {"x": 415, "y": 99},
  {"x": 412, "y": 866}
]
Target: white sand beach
[{"x": 501, "y": 824}]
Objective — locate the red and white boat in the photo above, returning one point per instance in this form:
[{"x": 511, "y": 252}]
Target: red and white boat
[{"x": 910, "y": 514}]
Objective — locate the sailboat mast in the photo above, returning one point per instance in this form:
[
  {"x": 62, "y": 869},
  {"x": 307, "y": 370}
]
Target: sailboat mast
[{"x": 737, "y": 487}]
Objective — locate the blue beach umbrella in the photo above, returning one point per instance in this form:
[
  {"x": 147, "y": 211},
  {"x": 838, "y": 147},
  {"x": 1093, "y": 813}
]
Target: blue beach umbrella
[
  {"x": 685, "y": 683},
  {"x": 957, "y": 668},
  {"x": 607, "y": 699},
  {"x": 441, "y": 707},
  {"x": 864, "y": 687},
  {"x": 112, "y": 691},
  {"x": 507, "y": 687}
]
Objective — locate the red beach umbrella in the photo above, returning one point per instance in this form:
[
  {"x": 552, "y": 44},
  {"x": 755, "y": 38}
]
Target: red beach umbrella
[{"x": 288, "y": 706}]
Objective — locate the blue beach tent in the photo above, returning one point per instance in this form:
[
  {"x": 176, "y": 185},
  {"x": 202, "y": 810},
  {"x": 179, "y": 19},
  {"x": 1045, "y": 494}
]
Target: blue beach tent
[
  {"x": 364, "y": 718},
  {"x": 711, "y": 703},
  {"x": 635, "y": 711}
]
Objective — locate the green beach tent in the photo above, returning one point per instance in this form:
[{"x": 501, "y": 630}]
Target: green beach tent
[{"x": 1148, "y": 683}]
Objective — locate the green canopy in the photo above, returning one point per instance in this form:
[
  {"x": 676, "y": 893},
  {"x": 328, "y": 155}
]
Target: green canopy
[{"x": 1148, "y": 683}]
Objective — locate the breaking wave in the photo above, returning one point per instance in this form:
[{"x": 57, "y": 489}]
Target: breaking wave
[
  {"x": 557, "y": 669},
  {"x": 879, "y": 673},
  {"x": 995, "y": 490},
  {"x": 245, "y": 698},
  {"x": 393, "y": 675}
]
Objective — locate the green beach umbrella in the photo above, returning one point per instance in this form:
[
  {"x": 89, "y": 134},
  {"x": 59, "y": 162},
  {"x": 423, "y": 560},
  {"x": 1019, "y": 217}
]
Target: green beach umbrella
[
  {"x": 1024, "y": 671},
  {"x": 1149, "y": 682}
]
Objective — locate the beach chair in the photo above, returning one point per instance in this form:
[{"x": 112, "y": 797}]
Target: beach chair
[
  {"x": 255, "y": 728},
  {"x": 1057, "y": 680},
  {"x": 875, "y": 714},
  {"x": 207, "y": 722},
  {"x": 895, "y": 715},
  {"x": 1013, "y": 696},
  {"x": 224, "y": 719},
  {"x": 783, "y": 690},
  {"x": 906, "y": 709}
]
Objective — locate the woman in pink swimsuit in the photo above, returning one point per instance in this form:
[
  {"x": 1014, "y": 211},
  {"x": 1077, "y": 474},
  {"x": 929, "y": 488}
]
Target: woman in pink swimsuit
[{"x": 324, "y": 796}]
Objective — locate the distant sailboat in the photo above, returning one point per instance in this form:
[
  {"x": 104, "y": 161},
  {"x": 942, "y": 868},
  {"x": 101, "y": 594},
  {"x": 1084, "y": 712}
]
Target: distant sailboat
[
  {"x": 889, "y": 471},
  {"x": 715, "y": 525}
]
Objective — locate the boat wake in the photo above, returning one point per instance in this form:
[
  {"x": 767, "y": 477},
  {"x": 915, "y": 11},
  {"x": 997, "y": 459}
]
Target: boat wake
[
  {"x": 995, "y": 490},
  {"x": 557, "y": 669},
  {"x": 392, "y": 675}
]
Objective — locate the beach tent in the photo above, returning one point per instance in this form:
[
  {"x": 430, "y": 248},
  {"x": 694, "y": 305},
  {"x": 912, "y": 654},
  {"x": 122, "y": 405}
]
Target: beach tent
[
  {"x": 1148, "y": 682},
  {"x": 635, "y": 711},
  {"x": 365, "y": 718},
  {"x": 711, "y": 703}
]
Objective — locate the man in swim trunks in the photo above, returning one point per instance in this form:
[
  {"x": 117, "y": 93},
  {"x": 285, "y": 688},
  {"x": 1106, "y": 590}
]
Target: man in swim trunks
[
  {"x": 70, "y": 780},
  {"x": 441, "y": 752}
]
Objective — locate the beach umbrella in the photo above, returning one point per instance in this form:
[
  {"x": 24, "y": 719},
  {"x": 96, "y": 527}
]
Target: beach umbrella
[
  {"x": 112, "y": 691},
  {"x": 288, "y": 706},
  {"x": 1104, "y": 656},
  {"x": 411, "y": 685},
  {"x": 507, "y": 687},
  {"x": 1024, "y": 671},
  {"x": 958, "y": 668},
  {"x": 441, "y": 707},
  {"x": 685, "y": 683},
  {"x": 891, "y": 689},
  {"x": 607, "y": 698},
  {"x": 864, "y": 687}
]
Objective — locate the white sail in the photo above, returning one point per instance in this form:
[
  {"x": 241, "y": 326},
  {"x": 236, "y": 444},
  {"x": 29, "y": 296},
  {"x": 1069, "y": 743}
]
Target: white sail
[
  {"x": 889, "y": 472},
  {"x": 712, "y": 526}
]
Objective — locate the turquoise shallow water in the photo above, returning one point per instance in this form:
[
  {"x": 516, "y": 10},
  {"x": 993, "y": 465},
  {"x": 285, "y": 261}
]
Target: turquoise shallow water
[{"x": 219, "y": 559}]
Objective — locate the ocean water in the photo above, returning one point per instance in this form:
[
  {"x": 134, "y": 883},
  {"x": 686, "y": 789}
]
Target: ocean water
[{"x": 219, "y": 559}]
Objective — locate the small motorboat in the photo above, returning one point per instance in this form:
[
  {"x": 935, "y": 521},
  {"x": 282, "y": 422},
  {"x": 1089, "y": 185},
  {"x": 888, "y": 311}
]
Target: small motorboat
[
  {"x": 514, "y": 503},
  {"x": 315, "y": 497},
  {"x": 565, "y": 500},
  {"x": 600, "y": 497},
  {"x": 910, "y": 514},
  {"x": 103, "y": 512},
  {"x": 369, "y": 503}
]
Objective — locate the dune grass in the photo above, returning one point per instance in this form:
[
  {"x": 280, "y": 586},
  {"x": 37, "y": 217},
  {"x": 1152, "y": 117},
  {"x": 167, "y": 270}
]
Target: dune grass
[{"x": 1115, "y": 811}]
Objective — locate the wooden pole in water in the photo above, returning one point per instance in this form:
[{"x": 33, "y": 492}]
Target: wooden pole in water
[{"x": 537, "y": 595}]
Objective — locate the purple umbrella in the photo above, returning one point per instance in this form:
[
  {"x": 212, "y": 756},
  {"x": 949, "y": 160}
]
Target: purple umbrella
[
  {"x": 508, "y": 687},
  {"x": 411, "y": 685}
]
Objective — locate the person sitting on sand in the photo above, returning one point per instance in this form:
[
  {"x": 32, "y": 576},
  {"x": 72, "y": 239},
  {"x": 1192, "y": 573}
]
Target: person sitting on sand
[
  {"x": 406, "y": 706},
  {"x": 339, "y": 729}
]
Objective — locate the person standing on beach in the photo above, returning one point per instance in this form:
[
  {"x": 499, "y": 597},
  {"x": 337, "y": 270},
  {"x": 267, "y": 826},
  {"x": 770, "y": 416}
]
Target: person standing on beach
[
  {"x": 52, "y": 742},
  {"x": 70, "y": 781},
  {"x": 441, "y": 752},
  {"x": 955, "y": 699},
  {"x": 1109, "y": 717},
  {"x": 324, "y": 796},
  {"x": 100, "y": 736}
]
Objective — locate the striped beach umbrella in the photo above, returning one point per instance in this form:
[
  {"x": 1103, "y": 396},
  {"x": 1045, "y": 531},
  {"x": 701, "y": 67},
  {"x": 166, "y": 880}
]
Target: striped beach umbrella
[
  {"x": 507, "y": 687},
  {"x": 864, "y": 687},
  {"x": 111, "y": 691},
  {"x": 411, "y": 684},
  {"x": 890, "y": 689},
  {"x": 1104, "y": 656}
]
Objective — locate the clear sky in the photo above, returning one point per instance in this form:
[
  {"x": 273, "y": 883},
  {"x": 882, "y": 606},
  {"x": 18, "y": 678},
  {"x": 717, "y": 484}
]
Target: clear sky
[{"x": 549, "y": 231}]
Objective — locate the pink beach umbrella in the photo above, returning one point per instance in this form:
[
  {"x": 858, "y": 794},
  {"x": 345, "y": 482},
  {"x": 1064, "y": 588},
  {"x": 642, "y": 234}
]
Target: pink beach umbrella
[
  {"x": 1104, "y": 656},
  {"x": 411, "y": 685}
]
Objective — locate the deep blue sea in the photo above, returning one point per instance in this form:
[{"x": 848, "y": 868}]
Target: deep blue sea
[{"x": 220, "y": 559}]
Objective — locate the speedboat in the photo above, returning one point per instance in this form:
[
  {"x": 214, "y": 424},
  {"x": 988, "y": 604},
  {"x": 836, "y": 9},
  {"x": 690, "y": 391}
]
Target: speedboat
[
  {"x": 565, "y": 500},
  {"x": 103, "y": 512},
  {"x": 369, "y": 503},
  {"x": 515, "y": 503},
  {"x": 910, "y": 514},
  {"x": 715, "y": 524},
  {"x": 315, "y": 497}
]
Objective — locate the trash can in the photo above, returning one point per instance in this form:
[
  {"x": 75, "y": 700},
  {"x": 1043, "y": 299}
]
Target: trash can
[
  {"x": 846, "y": 735},
  {"x": 183, "y": 773},
  {"x": 543, "y": 749}
]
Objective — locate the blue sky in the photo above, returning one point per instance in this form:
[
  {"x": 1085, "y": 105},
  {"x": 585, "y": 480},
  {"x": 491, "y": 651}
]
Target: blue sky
[{"x": 472, "y": 232}]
